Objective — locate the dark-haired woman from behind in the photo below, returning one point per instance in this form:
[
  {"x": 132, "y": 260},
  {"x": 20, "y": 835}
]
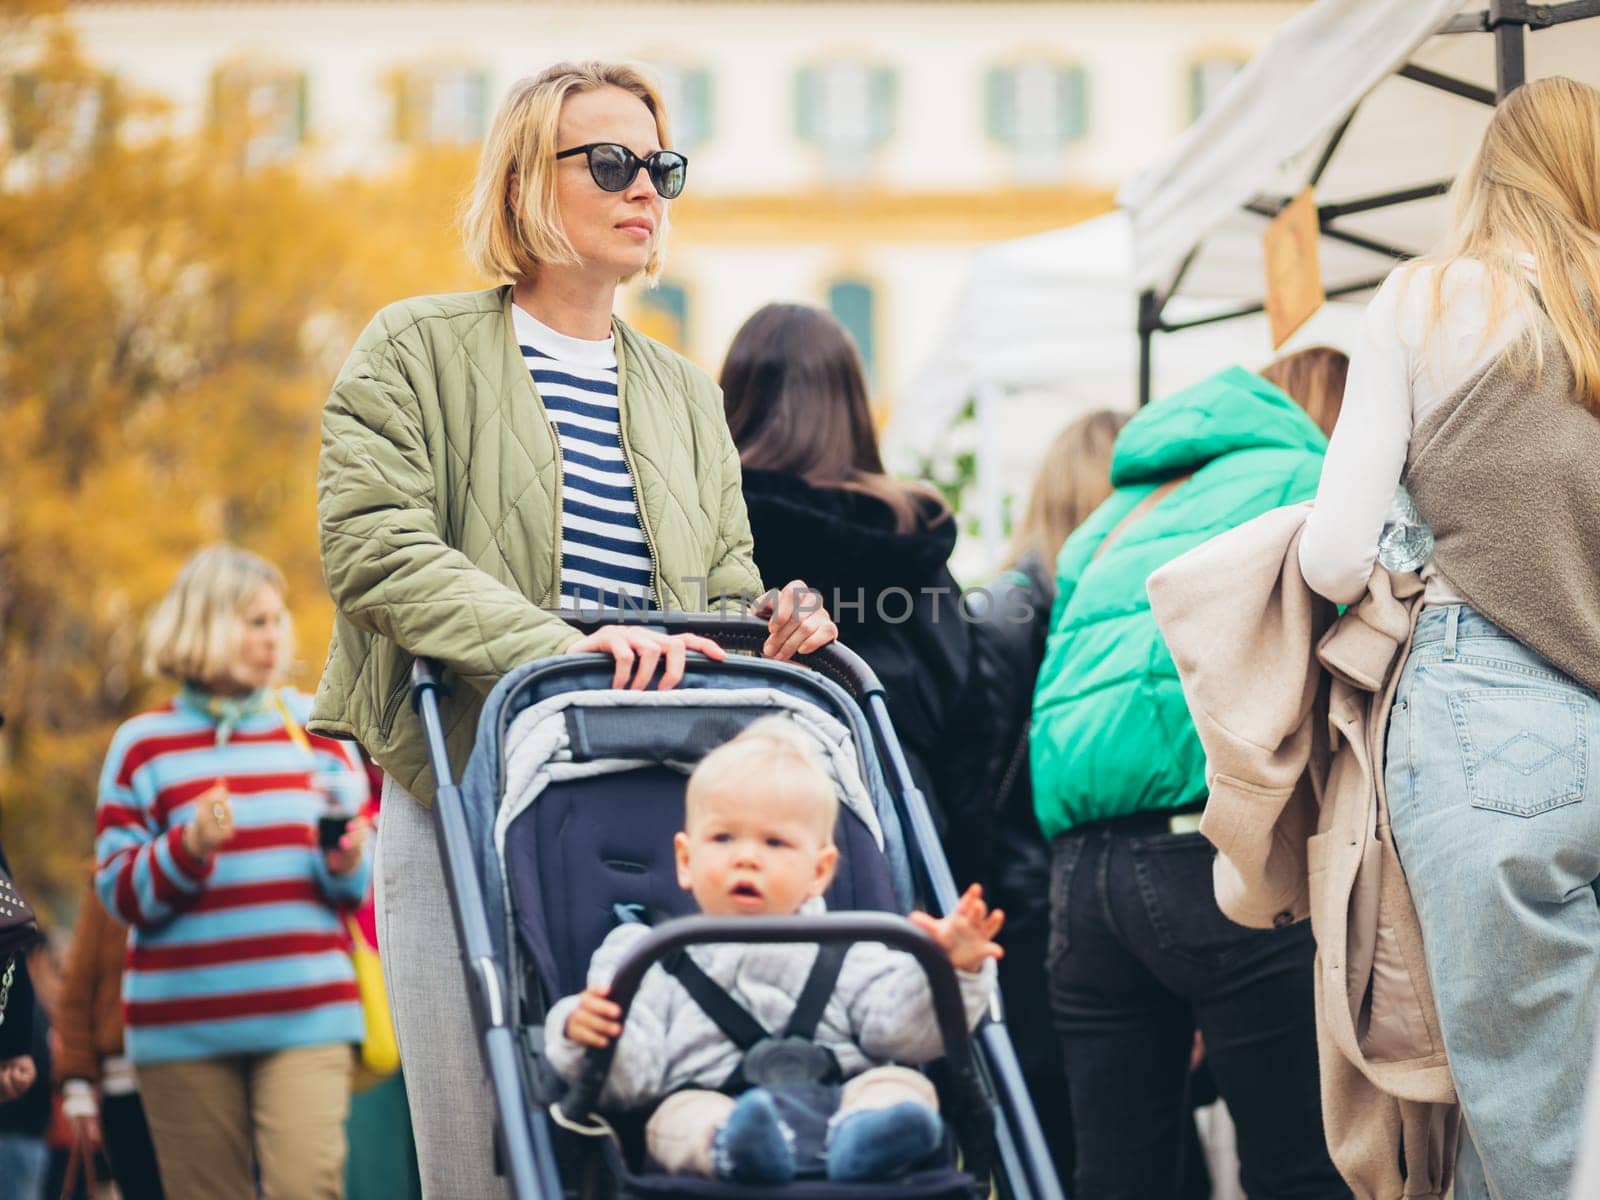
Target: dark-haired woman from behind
[
  {"x": 823, "y": 509},
  {"x": 995, "y": 837}
]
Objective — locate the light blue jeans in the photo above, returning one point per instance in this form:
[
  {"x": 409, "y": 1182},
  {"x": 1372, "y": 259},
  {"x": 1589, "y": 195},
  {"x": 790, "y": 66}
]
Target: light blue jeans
[
  {"x": 24, "y": 1166},
  {"x": 1494, "y": 797}
]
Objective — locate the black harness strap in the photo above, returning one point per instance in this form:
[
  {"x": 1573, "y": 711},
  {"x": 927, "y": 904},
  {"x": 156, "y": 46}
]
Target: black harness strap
[
  {"x": 817, "y": 992},
  {"x": 745, "y": 1032},
  {"x": 725, "y": 1012}
]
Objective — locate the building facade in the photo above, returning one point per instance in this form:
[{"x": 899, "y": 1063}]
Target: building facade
[{"x": 844, "y": 154}]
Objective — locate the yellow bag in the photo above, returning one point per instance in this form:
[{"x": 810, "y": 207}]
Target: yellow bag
[{"x": 380, "y": 1053}]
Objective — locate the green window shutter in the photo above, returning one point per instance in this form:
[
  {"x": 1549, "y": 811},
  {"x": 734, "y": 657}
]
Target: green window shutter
[
  {"x": 1000, "y": 104},
  {"x": 807, "y": 102},
  {"x": 852, "y": 301},
  {"x": 406, "y": 108},
  {"x": 884, "y": 85},
  {"x": 1207, "y": 78},
  {"x": 301, "y": 107},
  {"x": 697, "y": 100},
  {"x": 217, "y": 99},
  {"x": 1072, "y": 97},
  {"x": 666, "y": 314},
  {"x": 24, "y": 112},
  {"x": 480, "y": 104},
  {"x": 110, "y": 113}
]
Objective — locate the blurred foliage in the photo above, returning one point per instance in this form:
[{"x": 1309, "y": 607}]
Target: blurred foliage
[{"x": 170, "y": 320}]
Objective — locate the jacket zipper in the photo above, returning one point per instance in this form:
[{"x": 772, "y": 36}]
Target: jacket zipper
[
  {"x": 561, "y": 507},
  {"x": 391, "y": 707},
  {"x": 633, "y": 482}
]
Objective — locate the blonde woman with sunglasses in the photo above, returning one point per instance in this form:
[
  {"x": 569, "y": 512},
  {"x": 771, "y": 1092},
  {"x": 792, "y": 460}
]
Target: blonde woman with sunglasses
[
  {"x": 489, "y": 456},
  {"x": 1478, "y": 383}
]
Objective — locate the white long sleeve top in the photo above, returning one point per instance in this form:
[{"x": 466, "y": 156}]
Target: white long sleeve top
[{"x": 1400, "y": 372}]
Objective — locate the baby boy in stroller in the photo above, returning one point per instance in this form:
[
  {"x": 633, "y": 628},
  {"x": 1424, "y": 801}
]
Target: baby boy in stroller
[{"x": 831, "y": 1095}]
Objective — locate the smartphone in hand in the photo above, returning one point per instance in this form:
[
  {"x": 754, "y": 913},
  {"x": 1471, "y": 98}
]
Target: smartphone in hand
[{"x": 330, "y": 829}]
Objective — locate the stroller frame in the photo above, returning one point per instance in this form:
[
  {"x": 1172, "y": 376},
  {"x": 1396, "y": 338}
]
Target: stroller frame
[{"x": 524, "y": 1139}]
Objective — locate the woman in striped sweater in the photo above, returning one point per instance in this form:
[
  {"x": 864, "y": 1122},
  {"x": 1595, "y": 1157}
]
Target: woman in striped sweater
[{"x": 239, "y": 998}]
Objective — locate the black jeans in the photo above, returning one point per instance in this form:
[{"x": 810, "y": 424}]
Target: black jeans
[
  {"x": 1141, "y": 956},
  {"x": 128, "y": 1146}
]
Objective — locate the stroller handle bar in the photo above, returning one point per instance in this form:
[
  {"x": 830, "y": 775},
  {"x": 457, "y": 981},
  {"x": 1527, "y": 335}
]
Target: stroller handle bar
[
  {"x": 895, "y": 932},
  {"x": 732, "y": 631}
]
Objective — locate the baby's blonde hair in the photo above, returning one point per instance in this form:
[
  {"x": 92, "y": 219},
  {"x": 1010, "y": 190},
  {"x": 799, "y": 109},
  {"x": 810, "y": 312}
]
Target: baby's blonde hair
[{"x": 769, "y": 757}]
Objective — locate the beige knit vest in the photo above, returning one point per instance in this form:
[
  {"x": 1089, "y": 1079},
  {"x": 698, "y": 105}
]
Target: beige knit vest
[{"x": 1507, "y": 474}]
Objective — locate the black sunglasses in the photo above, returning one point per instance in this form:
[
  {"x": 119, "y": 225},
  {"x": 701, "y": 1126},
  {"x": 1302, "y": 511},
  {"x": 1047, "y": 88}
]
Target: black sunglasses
[{"x": 614, "y": 167}]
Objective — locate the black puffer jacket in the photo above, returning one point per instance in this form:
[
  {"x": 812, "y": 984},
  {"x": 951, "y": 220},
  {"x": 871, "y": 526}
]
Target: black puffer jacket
[
  {"x": 16, "y": 1029},
  {"x": 993, "y": 827},
  {"x": 844, "y": 544},
  {"x": 995, "y": 838},
  {"x": 25, "y": 1031}
]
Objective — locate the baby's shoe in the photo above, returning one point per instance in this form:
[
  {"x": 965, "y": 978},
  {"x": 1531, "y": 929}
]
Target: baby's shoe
[
  {"x": 879, "y": 1143},
  {"x": 754, "y": 1145}
]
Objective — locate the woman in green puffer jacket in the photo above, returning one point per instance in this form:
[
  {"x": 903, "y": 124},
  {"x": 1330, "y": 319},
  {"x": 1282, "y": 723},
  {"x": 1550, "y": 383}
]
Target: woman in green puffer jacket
[{"x": 1140, "y": 955}]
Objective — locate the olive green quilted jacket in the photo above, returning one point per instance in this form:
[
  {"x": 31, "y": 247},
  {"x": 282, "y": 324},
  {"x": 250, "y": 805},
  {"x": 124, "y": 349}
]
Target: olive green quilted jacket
[{"x": 439, "y": 514}]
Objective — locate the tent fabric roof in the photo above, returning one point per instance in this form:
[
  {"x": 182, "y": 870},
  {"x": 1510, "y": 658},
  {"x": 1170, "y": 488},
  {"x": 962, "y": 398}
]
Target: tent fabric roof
[
  {"x": 1057, "y": 313},
  {"x": 1289, "y": 97}
]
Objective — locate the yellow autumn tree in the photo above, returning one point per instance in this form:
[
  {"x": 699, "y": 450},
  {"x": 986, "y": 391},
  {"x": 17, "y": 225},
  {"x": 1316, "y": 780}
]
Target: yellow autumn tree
[{"x": 171, "y": 315}]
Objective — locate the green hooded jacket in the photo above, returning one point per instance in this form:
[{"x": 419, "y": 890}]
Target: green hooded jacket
[
  {"x": 439, "y": 514},
  {"x": 1111, "y": 734}
]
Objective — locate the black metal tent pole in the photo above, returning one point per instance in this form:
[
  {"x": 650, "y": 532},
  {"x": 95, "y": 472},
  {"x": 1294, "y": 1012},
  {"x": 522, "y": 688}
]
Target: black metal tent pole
[{"x": 1506, "y": 20}]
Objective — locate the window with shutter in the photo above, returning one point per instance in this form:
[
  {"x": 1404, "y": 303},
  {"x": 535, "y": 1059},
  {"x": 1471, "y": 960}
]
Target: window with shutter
[
  {"x": 1037, "y": 107},
  {"x": 847, "y": 110},
  {"x": 58, "y": 121},
  {"x": 854, "y": 302},
  {"x": 265, "y": 107},
  {"x": 687, "y": 92},
  {"x": 1208, "y": 77},
  {"x": 457, "y": 107},
  {"x": 440, "y": 106},
  {"x": 664, "y": 314}
]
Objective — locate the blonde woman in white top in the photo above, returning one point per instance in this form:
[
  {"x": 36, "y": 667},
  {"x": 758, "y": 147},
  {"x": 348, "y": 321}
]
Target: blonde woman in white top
[{"x": 1478, "y": 384}]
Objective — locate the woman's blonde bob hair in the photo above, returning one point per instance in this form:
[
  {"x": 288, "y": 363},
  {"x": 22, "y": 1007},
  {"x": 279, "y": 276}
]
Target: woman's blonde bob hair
[
  {"x": 1073, "y": 479},
  {"x": 193, "y": 636},
  {"x": 510, "y": 231},
  {"x": 1533, "y": 187}
]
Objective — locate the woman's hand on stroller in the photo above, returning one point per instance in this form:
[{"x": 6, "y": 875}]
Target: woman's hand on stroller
[
  {"x": 597, "y": 1021},
  {"x": 634, "y": 645},
  {"x": 967, "y": 932},
  {"x": 797, "y": 622}
]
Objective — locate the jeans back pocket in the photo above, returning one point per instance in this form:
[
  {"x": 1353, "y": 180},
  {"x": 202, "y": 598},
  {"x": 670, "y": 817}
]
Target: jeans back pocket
[
  {"x": 1176, "y": 883},
  {"x": 1523, "y": 749}
]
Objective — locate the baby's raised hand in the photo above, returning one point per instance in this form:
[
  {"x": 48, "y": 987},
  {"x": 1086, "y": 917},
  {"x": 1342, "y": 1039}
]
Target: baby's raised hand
[
  {"x": 596, "y": 1021},
  {"x": 967, "y": 933}
]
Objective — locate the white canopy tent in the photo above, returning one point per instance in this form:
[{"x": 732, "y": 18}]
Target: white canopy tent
[{"x": 1372, "y": 101}]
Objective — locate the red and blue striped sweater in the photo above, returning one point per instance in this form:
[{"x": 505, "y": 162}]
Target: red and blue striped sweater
[{"x": 244, "y": 952}]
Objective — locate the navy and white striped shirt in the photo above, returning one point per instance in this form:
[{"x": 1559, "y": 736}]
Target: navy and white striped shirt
[{"x": 604, "y": 556}]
